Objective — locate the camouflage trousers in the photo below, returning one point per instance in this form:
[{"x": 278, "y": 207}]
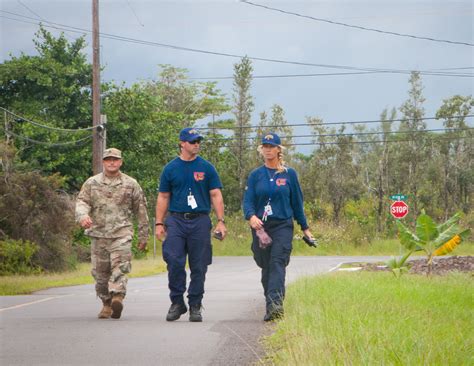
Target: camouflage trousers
[{"x": 111, "y": 261}]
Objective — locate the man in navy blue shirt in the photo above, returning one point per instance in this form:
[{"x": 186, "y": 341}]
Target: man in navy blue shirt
[
  {"x": 189, "y": 185},
  {"x": 272, "y": 199}
]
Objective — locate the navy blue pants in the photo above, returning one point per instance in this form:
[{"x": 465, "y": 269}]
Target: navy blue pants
[
  {"x": 274, "y": 259},
  {"x": 191, "y": 238}
]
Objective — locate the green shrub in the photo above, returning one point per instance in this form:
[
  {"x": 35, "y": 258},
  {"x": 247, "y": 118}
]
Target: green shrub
[
  {"x": 81, "y": 245},
  {"x": 16, "y": 257},
  {"x": 35, "y": 209}
]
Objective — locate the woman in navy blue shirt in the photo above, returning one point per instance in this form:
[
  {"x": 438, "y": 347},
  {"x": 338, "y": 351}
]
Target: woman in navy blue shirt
[{"x": 273, "y": 198}]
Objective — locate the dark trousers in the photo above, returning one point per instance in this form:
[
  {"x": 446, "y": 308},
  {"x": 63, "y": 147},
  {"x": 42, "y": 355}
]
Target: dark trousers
[
  {"x": 191, "y": 238},
  {"x": 274, "y": 259}
]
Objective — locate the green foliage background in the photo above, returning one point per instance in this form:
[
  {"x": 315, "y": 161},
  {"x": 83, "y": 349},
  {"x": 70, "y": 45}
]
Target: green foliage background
[{"x": 346, "y": 183}]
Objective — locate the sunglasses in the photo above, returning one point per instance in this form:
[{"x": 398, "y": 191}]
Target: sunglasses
[{"x": 194, "y": 142}]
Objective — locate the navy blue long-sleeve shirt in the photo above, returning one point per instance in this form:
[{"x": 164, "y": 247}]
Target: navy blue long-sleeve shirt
[{"x": 284, "y": 192}]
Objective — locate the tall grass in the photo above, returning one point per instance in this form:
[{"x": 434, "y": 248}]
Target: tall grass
[
  {"x": 333, "y": 240},
  {"x": 17, "y": 285},
  {"x": 376, "y": 319}
]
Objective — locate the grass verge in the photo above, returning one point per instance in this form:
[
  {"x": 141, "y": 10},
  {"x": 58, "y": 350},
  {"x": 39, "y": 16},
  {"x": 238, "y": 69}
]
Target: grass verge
[
  {"x": 239, "y": 244},
  {"x": 376, "y": 319},
  {"x": 18, "y": 285}
]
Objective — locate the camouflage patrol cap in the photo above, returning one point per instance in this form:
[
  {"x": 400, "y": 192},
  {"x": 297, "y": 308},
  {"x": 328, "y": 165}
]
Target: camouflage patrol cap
[{"x": 112, "y": 153}]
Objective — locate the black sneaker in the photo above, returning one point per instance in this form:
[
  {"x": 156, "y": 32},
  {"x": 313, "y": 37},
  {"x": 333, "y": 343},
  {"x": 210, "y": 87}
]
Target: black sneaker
[
  {"x": 195, "y": 313},
  {"x": 275, "y": 312},
  {"x": 268, "y": 316},
  {"x": 175, "y": 311}
]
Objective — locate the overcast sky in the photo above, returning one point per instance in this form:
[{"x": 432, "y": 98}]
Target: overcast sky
[{"x": 236, "y": 28}]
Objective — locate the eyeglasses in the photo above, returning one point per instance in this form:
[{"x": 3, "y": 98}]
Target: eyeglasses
[{"x": 194, "y": 142}]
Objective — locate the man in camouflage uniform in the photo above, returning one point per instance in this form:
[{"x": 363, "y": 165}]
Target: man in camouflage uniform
[{"x": 105, "y": 208}]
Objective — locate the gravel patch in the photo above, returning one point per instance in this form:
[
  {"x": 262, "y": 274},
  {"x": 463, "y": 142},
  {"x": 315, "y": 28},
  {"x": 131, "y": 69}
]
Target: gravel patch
[{"x": 440, "y": 265}]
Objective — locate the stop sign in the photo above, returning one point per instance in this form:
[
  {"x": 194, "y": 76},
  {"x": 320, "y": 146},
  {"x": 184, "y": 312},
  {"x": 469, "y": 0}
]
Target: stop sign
[{"x": 399, "y": 209}]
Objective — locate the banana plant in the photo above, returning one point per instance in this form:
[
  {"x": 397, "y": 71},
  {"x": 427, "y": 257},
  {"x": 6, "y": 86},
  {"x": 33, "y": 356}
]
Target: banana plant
[
  {"x": 428, "y": 237},
  {"x": 397, "y": 265}
]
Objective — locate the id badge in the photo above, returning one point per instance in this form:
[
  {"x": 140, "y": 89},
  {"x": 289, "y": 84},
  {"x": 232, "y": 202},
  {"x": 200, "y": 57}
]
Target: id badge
[
  {"x": 192, "y": 201},
  {"x": 268, "y": 210}
]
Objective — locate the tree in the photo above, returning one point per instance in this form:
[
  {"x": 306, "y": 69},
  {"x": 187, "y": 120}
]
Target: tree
[
  {"x": 377, "y": 165},
  {"x": 52, "y": 88},
  {"x": 457, "y": 149},
  {"x": 279, "y": 125},
  {"x": 190, "y": 100},
  {"x": 34, "y": 210},
  {"x": 146, "y": 135},
  {"x": 243, "y": 107},
  {"x": 333, "y": 167},
  {"x": 144, "y": 121},
  {"x": 414, "y": 151}
]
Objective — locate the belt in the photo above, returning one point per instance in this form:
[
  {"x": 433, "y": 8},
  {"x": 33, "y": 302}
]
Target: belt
[{"x": 188, "y": 215}]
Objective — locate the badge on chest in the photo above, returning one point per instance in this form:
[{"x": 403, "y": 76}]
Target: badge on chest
[{"x": 192, "y": 201}]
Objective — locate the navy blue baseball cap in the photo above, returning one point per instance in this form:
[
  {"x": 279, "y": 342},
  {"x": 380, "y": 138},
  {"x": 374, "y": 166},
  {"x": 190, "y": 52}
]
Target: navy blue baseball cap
[
  {"x": 271, "y": 139},
  {"x": 190, "y": 134}
]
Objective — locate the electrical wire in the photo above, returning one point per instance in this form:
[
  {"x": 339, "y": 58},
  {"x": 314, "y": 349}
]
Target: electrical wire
[
  {"x": 468, "y": 75},
  {"x": 374, "y": 142},
  {"x": 371, "y": 141},
  {"x": 78, "y": 142},
  {"x": 156, "y": 44},
  {"x": 49, "y": 127},
  {"x": 134, "y": 13},
  {"x": 348, "y": 134},
  {"x": 37, "y": 15},
  {"x": 337, "y": 123},
  {"x": 286, "y": 76},
  {"x": 357, "y": 26}
]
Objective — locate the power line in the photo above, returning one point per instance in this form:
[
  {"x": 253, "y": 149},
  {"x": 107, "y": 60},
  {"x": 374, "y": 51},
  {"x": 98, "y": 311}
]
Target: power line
[
  {"x": 49, "y": 127},
  {"x": 372, "y": 142},
  {"x": 187, "y": 49},
  {"x": 469, "y": 75},
  {"x": 31, "y": 11},
  {"x": 348, "y": 134},
  {"x": 357, "y": 26},
  {"x": 286, "y": 76},
  {"x": 78, "y": 142},
  {"x": 36, "y": 14},
  {"x": 336, "y": 123},
  {"x": 134, "y": 13}
]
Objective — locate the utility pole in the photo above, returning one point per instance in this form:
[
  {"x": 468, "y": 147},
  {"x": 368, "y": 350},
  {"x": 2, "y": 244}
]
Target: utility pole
[{"x": 97, "y": 137}]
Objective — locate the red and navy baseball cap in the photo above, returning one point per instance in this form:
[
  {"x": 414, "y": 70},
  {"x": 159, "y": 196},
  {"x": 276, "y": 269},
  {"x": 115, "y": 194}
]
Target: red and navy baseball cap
[
  {"x": 190, "y": 134},
  {"x": 271, "y": 139}
]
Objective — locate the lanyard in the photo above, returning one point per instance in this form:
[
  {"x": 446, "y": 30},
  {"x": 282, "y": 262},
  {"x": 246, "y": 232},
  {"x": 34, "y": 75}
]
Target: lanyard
[
  {"x": 188, "y": 174},
  {"x": 271, "y": 183}
]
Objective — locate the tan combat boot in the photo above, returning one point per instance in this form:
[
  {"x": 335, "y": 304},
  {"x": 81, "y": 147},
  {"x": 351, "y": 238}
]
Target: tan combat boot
[
  {"x": 106, "y": 311},
  {"x": 117, "y": 306}
]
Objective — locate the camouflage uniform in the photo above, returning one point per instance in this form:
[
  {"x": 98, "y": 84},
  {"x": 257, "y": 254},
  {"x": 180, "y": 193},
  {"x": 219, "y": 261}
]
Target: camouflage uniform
[{"x": 111, "y": 203}]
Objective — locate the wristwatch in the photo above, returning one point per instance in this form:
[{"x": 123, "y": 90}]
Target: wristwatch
[{"x": 221, "y": 220}]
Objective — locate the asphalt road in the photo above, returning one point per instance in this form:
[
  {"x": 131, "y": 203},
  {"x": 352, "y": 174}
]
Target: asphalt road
[{"x": 59, "y": 326}]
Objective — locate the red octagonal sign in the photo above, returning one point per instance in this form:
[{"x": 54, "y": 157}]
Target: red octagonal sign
[{"x": 399, "y": 209}]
